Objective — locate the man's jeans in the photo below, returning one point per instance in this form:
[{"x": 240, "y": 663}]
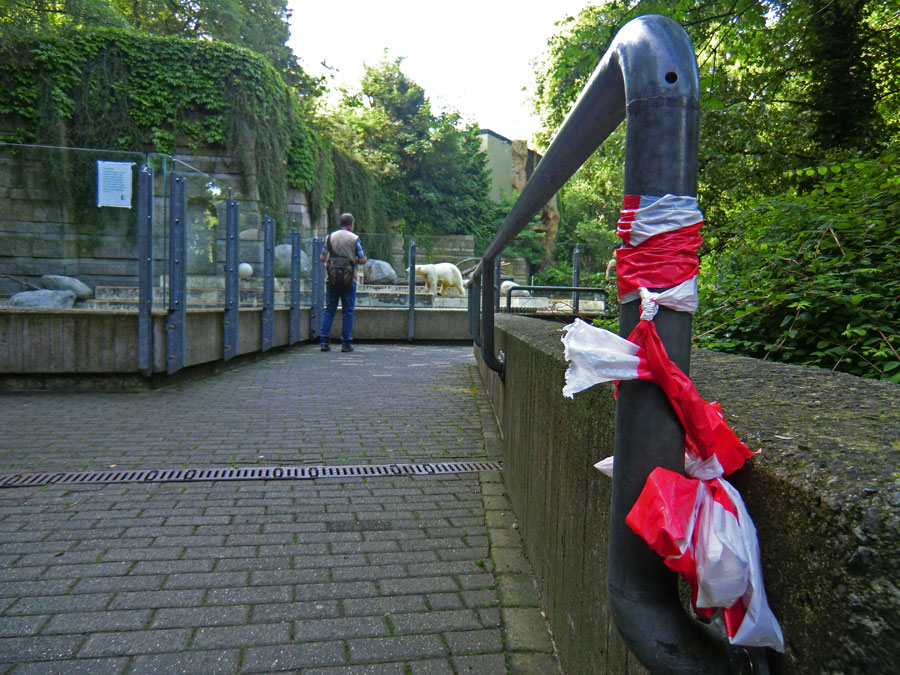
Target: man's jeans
[{"x": 348, "y": 302}]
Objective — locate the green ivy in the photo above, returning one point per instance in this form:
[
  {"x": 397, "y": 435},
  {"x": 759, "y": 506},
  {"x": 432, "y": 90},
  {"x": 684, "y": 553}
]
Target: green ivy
[
  {"x": 110, "y": 88},
  {"x": 812, "y": 280}
]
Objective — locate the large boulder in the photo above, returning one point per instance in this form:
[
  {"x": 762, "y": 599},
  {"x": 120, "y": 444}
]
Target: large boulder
[
  {"x": 283, "y": 260},
  {"x": 56, "y": 282},
  {"x": 45, "y": 299},
  {"x": 379, "y": 272}
]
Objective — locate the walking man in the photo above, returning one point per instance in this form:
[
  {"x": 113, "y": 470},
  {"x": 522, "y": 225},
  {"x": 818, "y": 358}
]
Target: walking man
[{"x": 341, "y": 254}]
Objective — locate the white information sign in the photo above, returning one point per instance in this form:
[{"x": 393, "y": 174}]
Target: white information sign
[{"x": 114, "y": 184}]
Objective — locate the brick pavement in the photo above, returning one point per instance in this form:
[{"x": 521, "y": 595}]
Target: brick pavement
[{"x": 341, "y": 576}]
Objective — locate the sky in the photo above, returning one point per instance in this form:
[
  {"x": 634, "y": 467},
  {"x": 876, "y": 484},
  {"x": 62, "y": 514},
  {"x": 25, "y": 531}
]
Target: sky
[{"x": 469, "y": 56}]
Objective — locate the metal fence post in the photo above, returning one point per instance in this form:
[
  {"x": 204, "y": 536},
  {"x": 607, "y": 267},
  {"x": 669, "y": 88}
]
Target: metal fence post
[
  {"x": 175, "y": 321},
  {"x": 230, "y": 317},
  {"x": 497, "y": 282},
  {"x": 268, "y": 311},
  {"x": 315, "y": 318},
  {"x": 145, "y": 270},
  {"x": 294, "y": 321},
  {"x": 576, "y": 277},
  {"x": 411, "y": 325}
]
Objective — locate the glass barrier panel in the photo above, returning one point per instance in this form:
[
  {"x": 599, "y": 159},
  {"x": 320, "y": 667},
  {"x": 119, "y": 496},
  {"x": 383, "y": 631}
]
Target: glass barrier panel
[{"x": 68, "y": 222}]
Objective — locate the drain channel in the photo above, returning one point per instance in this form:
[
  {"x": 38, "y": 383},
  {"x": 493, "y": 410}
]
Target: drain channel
[{"x": 10, "y": 480}]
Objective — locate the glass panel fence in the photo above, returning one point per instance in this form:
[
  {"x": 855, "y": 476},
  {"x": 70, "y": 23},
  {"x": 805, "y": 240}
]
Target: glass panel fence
[
  {"x": 204, "y": 218},
  {"x": 68, "y": 224}
]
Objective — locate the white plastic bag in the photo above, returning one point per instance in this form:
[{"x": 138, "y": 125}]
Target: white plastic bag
[{"x": 595, "y": 356}]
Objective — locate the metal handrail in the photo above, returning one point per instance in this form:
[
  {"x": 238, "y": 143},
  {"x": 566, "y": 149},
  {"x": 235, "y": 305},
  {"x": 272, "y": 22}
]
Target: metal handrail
[
  {"x": 648, "y": 74},
  {"x": 649, "y": 77},
  {"x": 575, "y": 290}
]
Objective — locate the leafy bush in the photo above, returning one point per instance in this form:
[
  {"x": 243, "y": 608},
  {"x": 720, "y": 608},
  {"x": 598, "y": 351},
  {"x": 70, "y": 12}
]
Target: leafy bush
[{"x": 813, "y": 278}]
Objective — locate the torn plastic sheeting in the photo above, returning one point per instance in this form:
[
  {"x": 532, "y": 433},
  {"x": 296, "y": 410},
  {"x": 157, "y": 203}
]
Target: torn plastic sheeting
[
  {"x": 598, "y": 356},
  {"x": 659, "y": 262},
  {"x": 704, "y": 532},
  {"x": 645, "y": 216},
  {"x": 681, "y": 298}
]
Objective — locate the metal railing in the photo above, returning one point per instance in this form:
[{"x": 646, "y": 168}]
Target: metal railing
[
  {"x": 576, "y": 292},
  {"x": 648, "y": 77}
]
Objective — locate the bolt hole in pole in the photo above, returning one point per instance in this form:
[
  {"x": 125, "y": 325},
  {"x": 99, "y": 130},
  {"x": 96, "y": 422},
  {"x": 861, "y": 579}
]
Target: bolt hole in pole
[{"x": 671, "y": 77}]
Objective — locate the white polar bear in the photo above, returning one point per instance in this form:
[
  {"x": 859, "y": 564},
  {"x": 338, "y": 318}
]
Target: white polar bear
[{"x": 441, "y": 276}]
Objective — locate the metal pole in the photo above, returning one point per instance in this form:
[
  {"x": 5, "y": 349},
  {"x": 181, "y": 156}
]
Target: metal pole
[
  {"x": 475, "y": 292},
  {"x": 294, "y": 321},
  {"x": 649, "y": 75},
  {"x": 268, "y": 312},
  {"x": 661, "y": 89},
  {"x": 315, "y": 318},
  {"x": 175, "y": 322},
  {"x": 145, "y": 270},
  {"x": 232, "y": 292},
  {"x": 497, "y": 282},
  {"x": 576, "y": 277},
  {"x": 411, "y": 326},
  {"x": 488, "y": 299}
]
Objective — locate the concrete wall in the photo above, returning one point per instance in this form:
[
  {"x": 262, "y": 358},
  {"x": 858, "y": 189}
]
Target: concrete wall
[
  {"x": 824, "y": 495},
  {"x": 63, "y": 342}
]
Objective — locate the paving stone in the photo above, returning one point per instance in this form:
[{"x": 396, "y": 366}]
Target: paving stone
[
  {"x": 290, "y": 611},
  {"x": 433, "y": 622},
  {"x": 118, "y": 584},
  {"x": 38, "y": 648},
  {"x": 510, "y": 560},
  {"x": 534, "y": 664},
  {"x": 430, "y": 667},
  {"x": 340, "y": 628},
  {"x": 417, "y": 585},
  {"x": 186, "y": 617},
  {"x": 350, "y": 589},
  {"x": 242, "y": 636},
  {"x": 292, "y": 657},
  {"x": 72, "y": 667},
  {"x": 517, "y": 590},
  {"x": 92, "y": 622},
  {"x": 152, "y": 599},
  {"x": 475, "y": 641},
  {"x": 57, "y": 604},
  {"x": 17, "y": 626},
  {"x": 384, "y": 605},
  {"x": 394, "y": 648},
  {"x": 484, "y": 664},
  {"x": 526, "y": 630},
  {"x": 187, "y": 663},
  {"x": 135, "y": 642},
  {"x": 368, "y": 669},
  {"x": 248, "y": 595}
]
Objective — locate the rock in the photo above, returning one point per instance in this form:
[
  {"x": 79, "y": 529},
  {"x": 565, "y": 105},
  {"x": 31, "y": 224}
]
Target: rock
[
  {"x": 283, "y": 260},
  {"x": 47, "y": 299},
  {"x": 55, "y": 282},
  {"x": 379, "y": 272},
  {"x": 245, "y": 270},
  {"x": 249, "y": 235}
]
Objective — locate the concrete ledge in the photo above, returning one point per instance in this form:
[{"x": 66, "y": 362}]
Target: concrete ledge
[
  {"x": 824, "y": 495},
  {"x": 65, "y": 342}
]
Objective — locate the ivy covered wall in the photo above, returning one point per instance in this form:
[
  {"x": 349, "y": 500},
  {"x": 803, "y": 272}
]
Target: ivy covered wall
[{"x": 116, "y": 89}]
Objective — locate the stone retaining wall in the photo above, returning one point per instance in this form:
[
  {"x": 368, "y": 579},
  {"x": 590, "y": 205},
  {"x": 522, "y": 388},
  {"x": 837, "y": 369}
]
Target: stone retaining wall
[{"x": 824, "y": 494}]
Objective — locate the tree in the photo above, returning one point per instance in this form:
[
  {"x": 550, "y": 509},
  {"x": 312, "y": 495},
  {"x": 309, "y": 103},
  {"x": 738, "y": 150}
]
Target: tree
[
  {"x": 434, "y": 174},
  {"x": 789, "y": 88}
]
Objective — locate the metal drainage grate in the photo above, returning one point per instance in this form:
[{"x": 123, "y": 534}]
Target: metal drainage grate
[{"x": 250, "y": 473}]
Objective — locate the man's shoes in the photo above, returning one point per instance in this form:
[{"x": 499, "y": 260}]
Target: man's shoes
[
  {"x": 347, "y": 347},
  {"x": 326, "y": 347}
]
